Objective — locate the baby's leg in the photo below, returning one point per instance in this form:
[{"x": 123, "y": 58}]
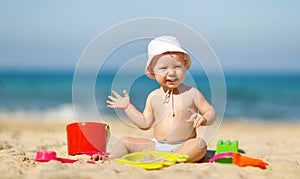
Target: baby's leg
[
  {"x": 128, "y": 145},
  {"x": 195, "y": 148}
]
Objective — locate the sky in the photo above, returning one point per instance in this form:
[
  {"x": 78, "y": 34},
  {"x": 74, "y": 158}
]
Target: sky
[{"x": 246, "y": 36}]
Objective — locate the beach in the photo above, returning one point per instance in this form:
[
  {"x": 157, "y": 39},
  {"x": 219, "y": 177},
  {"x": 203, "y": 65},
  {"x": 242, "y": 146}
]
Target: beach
[
  {"x": 62, "y": 64},
  {"x": 274, "y": 142}
]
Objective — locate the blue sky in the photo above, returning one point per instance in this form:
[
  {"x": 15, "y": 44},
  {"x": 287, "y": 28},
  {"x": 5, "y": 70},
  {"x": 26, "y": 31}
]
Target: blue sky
[{"x": 247, "y": 36}]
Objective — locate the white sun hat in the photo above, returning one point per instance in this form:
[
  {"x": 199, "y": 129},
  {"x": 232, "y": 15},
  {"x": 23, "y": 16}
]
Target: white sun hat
[{"x": 161, "y": 45}]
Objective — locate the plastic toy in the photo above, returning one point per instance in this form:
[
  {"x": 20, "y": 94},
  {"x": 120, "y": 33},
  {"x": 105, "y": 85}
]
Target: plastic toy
[
  {"x": 226, "y": 146},
  {"x": 46, "y": 156},
  {"x": 87, "y": 136},
  {"x": 152, "y": 159},
  {"x": 240, "y": 160}
]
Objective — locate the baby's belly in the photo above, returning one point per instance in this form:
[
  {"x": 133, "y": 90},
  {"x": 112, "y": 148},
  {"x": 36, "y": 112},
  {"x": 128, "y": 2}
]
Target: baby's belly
[{"x": 172, "y": 132}]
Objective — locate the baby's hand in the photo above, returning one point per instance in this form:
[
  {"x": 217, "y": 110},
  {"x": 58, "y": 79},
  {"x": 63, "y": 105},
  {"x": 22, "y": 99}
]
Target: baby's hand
[
  {"x": 197, "y": 119},
  {"x": 118, "y": 101}
]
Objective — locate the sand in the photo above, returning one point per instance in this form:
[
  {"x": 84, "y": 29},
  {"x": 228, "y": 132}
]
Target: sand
[{"x": 275, "y": 143}]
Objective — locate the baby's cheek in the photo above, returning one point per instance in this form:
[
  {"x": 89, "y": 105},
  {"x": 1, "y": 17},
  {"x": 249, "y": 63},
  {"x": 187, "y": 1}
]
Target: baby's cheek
[
  {"x": 160, "y": 72},
  {"x": 159, "y": 76}
]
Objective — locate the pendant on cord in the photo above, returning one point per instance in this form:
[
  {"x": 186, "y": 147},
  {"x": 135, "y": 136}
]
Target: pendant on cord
[{"x": 168, "y": 96}]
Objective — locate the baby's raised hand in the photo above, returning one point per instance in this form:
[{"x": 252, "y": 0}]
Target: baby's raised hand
[
  {"x": 118, "y": 101},
  {"x": 197, "y": 119}
]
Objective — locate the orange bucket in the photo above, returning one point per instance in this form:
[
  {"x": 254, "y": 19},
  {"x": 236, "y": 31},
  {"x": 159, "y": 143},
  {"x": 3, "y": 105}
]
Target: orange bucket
[{"x": 87, "y": 137}]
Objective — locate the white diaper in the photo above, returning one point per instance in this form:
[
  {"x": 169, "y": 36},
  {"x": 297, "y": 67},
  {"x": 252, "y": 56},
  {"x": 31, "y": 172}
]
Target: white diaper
[{"x": 162, "y": 146}]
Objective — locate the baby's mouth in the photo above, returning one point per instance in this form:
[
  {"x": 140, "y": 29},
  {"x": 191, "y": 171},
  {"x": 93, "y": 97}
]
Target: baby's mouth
[{"x": 172, "y": 80}]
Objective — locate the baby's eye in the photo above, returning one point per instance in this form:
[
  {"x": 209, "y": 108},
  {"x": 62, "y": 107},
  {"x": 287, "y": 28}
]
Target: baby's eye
[
  {"x": 163, "y": 68},
  {"x": 178, "y": 67}
]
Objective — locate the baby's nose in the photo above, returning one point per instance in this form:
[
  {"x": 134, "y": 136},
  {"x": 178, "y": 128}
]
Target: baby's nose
[{"x": 170, "y": 71}]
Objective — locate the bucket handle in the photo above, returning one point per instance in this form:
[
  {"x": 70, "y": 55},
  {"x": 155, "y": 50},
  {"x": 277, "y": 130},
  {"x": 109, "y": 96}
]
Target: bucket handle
[{"x": 108, "y": 132}]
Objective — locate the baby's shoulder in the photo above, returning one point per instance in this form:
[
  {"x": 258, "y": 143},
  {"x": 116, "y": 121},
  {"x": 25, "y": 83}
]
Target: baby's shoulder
[
  {"x": 154, "y": 93},
  {"x": 188, "y": 89},
  {"x": 192, "y": 92}
]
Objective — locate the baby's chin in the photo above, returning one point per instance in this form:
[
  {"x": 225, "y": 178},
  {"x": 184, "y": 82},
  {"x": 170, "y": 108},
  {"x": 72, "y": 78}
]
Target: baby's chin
[{"x": 171, "y": 86}]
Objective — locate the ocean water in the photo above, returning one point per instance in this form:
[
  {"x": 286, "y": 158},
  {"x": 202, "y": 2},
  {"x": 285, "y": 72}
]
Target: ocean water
[{"x": 249, "y": 96}]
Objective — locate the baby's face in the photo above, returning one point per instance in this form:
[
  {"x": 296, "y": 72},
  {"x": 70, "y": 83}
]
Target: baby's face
[{"x": 169, "y": 71}]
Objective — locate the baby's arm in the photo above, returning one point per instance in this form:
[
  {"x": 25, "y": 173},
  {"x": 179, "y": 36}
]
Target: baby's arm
[
  {"x": 207, "y": 114},
  {"x": 142, "y": 120}
]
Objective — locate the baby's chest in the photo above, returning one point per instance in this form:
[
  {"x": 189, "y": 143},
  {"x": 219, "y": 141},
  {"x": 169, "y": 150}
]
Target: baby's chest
[{"x": 176, "y": 105}]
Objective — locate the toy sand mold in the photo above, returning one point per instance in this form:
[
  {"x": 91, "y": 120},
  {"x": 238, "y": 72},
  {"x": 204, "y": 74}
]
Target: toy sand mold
[{"x": 151, "y": 160}]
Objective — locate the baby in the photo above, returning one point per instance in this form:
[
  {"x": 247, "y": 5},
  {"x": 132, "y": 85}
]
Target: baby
[{"x": 174, "y": 110}]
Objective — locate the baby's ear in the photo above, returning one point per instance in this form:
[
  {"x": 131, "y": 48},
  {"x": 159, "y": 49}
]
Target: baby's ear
[
  {"x": 150, "y": 70},
  {"x": 187, "y": 64},
  {"x": 151, "y": 67}
]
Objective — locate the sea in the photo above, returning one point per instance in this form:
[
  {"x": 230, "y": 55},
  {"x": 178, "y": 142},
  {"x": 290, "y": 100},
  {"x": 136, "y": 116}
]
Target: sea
[{"x": 264, "y": 97}]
